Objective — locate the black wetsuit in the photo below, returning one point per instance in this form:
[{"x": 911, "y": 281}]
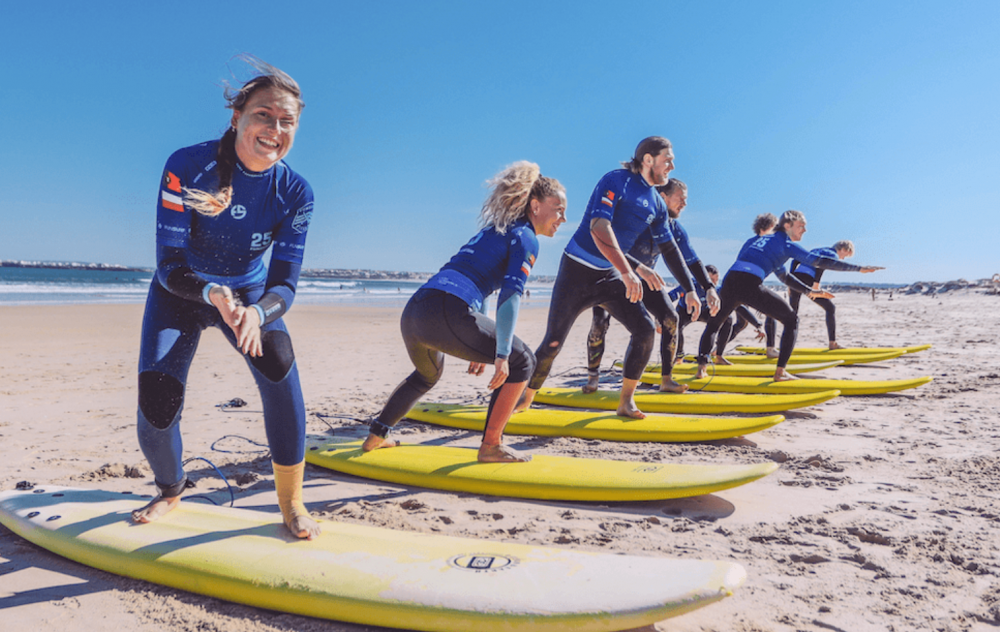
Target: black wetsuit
[
  {"x": 743, "y": 285},
  {"x": 444, "y": 317},
  {"x": 586, "y": 278},
  {"x": 809, "y": 276}
]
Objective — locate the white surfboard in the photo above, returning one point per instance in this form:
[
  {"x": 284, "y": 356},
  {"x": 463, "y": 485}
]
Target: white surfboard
[{"x": 362, "y": 574}]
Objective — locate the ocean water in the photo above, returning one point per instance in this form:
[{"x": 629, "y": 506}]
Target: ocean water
[{"x": 50, "y": 286}]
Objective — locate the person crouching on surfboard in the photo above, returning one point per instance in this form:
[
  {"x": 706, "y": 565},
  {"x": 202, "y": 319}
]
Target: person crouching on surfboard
[
  {"x": 445, "y": 316},
  {"x": 744, "y": 285},
  {"x": 596, "y": 271},
  {"x": 222, "y": 204}
]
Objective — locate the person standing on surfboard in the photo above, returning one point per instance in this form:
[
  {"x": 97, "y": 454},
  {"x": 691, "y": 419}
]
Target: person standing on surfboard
[
  {"x": 810, "y": 276},
  {"x": 596, "y": 271},
  {"x": 222, "y": 205},
  {"x": 446, "y": 315},
  {"x": 674, "y": 194},
  {"x": 736, "y": 323},
  {"x": 743, "y": 285}
]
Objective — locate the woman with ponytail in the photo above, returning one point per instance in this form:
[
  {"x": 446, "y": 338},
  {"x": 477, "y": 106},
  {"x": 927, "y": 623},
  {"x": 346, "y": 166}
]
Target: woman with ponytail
[
  {"x": 222, "y": 205},
  {"x": 445, "y": 316}
]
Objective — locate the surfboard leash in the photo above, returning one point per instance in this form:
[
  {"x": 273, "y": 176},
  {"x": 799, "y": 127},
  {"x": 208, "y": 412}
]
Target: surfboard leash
[{"x": 232, "y": 495}]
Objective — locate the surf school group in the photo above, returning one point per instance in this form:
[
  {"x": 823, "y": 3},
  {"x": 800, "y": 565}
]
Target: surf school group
[{"x": 225, "y": 203}]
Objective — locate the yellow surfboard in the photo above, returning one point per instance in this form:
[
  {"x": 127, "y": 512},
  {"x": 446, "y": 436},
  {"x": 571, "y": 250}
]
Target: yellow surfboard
[
  {"x": 812, "y": 358},
  {"x": 586, "y": 424},
  {"x": 683, "y": 403},
  {"x": 825, "y": 350},
  {"x": 744, "y": 370},
  {"x": 544, "y": 477},
  {"x": 362, "y": 574},
  {"x": 730, "y": 384}
]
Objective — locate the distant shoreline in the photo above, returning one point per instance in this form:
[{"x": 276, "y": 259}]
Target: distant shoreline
[{"x": 917, "y": 287}]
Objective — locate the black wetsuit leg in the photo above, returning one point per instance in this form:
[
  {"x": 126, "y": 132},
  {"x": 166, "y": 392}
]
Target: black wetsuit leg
[
  {"x": 595, "y": 339},
  {"x": 683, "y": 320},
  {"x": 659, "y": 306},
  {"x": 578, "y": 288},
  {"x": 831, "y": 316},
  {"x": 743, "y": 288},
  {"x": 435, "y": 323},
  {"x": 770, "y": 330},
  {"x": 825, "y": 303}
]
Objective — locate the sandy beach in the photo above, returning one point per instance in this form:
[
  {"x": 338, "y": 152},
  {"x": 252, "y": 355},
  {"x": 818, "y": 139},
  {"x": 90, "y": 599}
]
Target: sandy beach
[{"x": 884, "y": 515}]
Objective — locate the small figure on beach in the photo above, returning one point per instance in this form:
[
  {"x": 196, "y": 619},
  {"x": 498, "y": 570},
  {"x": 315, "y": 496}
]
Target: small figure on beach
[
  {"x": 810, "y": 276},
  {"x": 595, "y": 270},
  {"x": 445, "y": 316},
  {"x": 759, "y": 257},
  {"x": 222, "y": 204},
  {"x": 669, "y": 319}
]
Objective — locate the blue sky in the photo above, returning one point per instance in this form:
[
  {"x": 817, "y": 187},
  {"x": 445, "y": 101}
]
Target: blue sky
[{"x": 877, "y": 119}]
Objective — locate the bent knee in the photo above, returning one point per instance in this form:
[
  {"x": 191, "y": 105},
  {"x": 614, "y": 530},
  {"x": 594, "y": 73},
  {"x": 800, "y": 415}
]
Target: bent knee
[
  {"x": 522, "y": 367},
  {"x": 278, "y": 356},
  {"x": 160, "y": 398}
]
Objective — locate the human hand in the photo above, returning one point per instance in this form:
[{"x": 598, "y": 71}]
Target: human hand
[
  {"x": 633, "y": 287},
  {"x": 821, "y": 294},
  {"x": 228, "y": 305},
  {"x": 693, "y": 305},
  {"x": 867, "y": 269},
  {"x": 248, "y": 334},
  {"x": 651, "y": 277},
  {"x": 712, "y": 298},
  {"x": 500, "y": 376},
  {"x": 760, "y": 335},
  {"x": 476, "y": 368}
]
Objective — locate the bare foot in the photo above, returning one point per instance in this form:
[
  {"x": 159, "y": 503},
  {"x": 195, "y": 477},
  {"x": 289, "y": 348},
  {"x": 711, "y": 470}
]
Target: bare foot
[
  {"x": 834, "y": 345},
  {"x": 156, "y": 508},
  {"x": 721, "y": 361},
  {"x": 303, "y": 526},
  {"x": 702, "y": 372},
  {"x": 590, "y": 386},
  {"x": 374, "y": 442},
  {"x": 630, "y": 410},
  {"x": 500, "y": 454},
  {"x": 781, "y": 375},
  {"x": 670, "y": 386},
  {"x": 771, "y": 352}
]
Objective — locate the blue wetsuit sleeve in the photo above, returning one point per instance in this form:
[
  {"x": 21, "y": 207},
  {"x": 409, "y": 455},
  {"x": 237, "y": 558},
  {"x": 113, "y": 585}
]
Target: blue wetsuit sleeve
[
  {"x": 176, "y": 277},
  {"x": 279, "y": 292},
  {"x": 520, "y": 258},
  {"x": 792, "y": 282},
  {"x": 506, "y": 320},
  {"x": 675, "y": 263},
  {"x": 802, "y": 255}
]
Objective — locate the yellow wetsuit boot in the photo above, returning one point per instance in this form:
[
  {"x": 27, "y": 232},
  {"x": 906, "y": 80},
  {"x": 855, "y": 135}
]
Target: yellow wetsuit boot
[{"x": 288, "y": 485}]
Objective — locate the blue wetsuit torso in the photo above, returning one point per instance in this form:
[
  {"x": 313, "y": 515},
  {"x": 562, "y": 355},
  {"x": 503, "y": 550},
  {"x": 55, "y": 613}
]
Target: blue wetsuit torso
[
  {"x": 631, "y": 205},
  {"x": 270, "y": 209},
  {"x": 815, "y": 273},
  {"x": 766, "y": 254},
  {"x": 491, "y": 262}
]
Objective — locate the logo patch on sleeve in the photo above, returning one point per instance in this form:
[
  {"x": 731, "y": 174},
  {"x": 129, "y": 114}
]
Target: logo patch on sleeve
[
  {"x": 172, "y": 182},
  {"x": 172, "y": 202},
  {"x": 300, "y": 223},
  {"x": 609, "y": 198}
]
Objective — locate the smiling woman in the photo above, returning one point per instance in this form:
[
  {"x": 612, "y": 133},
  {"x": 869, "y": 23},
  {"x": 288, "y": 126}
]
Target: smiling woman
[{"x": 223, "y": 205}]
